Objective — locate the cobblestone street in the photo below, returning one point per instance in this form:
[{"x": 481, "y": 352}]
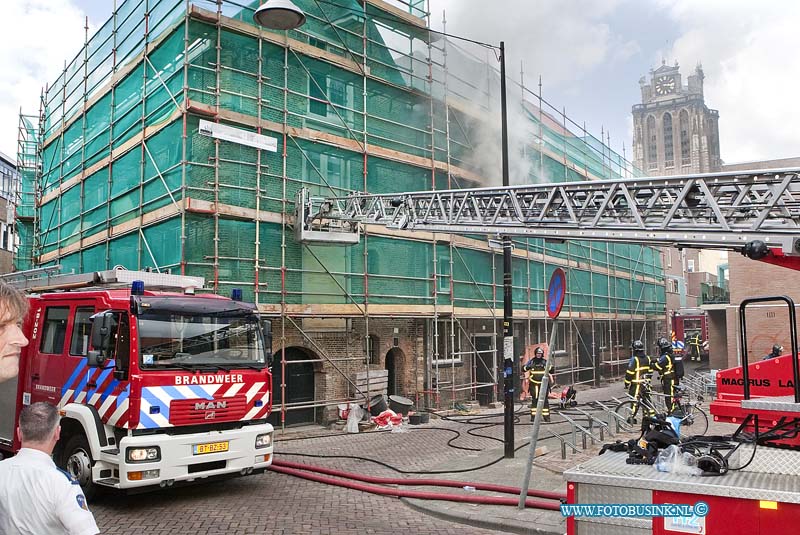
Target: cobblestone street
[{"x": 276, "y": 503}]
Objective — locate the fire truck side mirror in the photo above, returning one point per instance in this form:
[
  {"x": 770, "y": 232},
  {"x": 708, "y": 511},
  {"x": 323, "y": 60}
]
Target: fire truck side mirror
[
  {"x": 103, "y": 327},
  {"x": 266, "y": 332}
]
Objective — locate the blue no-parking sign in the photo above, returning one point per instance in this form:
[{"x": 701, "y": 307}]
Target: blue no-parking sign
[{"x": 556, "y": 292}]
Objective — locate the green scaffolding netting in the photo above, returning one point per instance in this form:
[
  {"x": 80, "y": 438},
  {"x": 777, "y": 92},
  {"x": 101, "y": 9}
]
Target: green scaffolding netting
[{"x": 127, "y": 176}]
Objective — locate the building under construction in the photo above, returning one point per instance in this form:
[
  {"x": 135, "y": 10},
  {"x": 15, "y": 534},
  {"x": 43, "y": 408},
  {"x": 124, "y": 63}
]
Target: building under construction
[{"x": 177, "y": 138}]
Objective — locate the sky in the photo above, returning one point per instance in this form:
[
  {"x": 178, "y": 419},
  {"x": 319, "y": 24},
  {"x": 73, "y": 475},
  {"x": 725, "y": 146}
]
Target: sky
[{"x": 590, "y": 55}]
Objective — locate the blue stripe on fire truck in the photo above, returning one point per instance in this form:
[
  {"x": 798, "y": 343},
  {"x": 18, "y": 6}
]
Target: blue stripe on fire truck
[
  {"x": 146, "y": 422},
  {"x": 110, "y": 388},
  {"x": 84, "y": 380},
  {"x": 124, "y": 395},
  {"x": 99, "y": 381},
  {"x": 78, "y": 369},
  {"x": 200, "y": 392},
  {"x": 151, "y": 398}
]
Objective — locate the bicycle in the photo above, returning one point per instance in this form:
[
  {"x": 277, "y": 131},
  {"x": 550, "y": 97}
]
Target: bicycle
[{"x": 694, "y": 420}]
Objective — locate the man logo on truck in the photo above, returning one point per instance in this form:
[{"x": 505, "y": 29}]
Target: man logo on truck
[{"x": 210, "y": 405}]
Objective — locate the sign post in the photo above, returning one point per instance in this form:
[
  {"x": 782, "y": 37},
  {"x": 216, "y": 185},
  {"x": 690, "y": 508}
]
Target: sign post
[{"x": 555, "y": 300}]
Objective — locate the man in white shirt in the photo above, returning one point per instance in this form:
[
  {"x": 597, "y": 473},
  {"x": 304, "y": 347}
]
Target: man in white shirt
[{"x": 36, "y": 497}]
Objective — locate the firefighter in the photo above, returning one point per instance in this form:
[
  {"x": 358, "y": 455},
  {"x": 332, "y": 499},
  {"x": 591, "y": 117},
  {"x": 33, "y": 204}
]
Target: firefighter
[
  {"x": 777, "y": 351},
  {"x": 538, "y": 366},
  {"x": 665, "y": 366},
  {"x": 637, "y": 379},
  {"x": 694, "y": 347}
]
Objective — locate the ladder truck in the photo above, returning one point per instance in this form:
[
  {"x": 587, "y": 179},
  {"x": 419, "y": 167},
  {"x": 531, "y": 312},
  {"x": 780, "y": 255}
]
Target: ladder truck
[
  {"x": 156, "y": 386},
  {"x": 756, "y": 213}
]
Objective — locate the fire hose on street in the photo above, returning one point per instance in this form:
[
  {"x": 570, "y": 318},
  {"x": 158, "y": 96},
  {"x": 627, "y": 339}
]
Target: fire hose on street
[{"x": 315, "y": 473}]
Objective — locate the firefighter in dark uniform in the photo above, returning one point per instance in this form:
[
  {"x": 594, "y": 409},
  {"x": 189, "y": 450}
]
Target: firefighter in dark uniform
[
  {"x": 537, "y": 367},
  {"x": 694, "y": 347},
  {"x": 777, "y": 351},
  {"x": 666, "y": 368},
  {"x": 637, "y": 379}
]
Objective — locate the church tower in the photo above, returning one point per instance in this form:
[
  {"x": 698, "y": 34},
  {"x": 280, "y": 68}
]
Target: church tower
[{"x": 674, "y": 132}]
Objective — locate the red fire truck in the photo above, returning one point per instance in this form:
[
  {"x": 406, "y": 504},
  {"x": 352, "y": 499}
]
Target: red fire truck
[
  {"x": 686, "y": 323},
  {"x": 156, "y": 385}
]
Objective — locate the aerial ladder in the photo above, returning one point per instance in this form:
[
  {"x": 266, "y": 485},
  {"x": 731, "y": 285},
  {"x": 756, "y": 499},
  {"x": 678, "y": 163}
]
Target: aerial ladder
[{"x": 754, "y": 212}]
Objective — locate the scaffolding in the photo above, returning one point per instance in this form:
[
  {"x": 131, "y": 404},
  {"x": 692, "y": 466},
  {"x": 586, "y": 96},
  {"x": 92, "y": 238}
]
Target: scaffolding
[{"x": 178, "y": 136}]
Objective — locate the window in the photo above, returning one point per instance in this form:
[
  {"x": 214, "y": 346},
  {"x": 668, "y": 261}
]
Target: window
[
  {"x": 372, "y": 349},
  {"x": 669, "y": 150},
  {"x": 81, "y": 328},
  {"x": 690, "y": 265},
  {"x": 672, "y": 286},
  {"x": 329, "y": 171},
  {"x": 692, "y": 325},
  {"x": 317, "y": 103},
  {"x": 686, "y": 154},
  {"x": 335, "y": 167},
  {"x": 338, "y": 92},
  {"x": 319, "y": 43},
  {"x": 54, "y": 331},
  {"x": 443, "y": 273},
  {"x": 329, "y": 97},
  {"x": 652, "y": 143}
]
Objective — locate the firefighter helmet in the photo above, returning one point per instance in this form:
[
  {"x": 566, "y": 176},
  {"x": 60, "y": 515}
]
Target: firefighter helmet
[
  {"x": 664, "y": 344},
  {"x": 637, "y": 346},
  {"x": 777, "y": 349},
  {"x": 539, "y": 352}
]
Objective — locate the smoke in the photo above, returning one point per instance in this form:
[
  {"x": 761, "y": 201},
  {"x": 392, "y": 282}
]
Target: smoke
[
  {"x": 487, "y": 155},
  {"x": 563, "y": 41}
]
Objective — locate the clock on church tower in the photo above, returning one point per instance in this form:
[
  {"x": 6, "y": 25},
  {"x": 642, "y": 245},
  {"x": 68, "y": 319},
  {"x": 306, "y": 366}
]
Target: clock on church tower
[{"x": 665, "y": 85}]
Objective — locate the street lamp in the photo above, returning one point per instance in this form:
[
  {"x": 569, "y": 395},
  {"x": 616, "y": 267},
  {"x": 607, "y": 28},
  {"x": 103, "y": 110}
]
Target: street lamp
[
  {"x": 284, "y": 15},
  {"x": 279, "y": 15}
]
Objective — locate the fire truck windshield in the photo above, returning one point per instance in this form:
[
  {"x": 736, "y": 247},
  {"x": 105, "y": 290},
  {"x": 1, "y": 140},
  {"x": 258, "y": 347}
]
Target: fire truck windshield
[{"x": 170, "y": 339}]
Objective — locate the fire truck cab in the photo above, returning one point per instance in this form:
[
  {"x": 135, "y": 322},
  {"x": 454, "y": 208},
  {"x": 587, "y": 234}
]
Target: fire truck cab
[{"x": 155, "y": 386}]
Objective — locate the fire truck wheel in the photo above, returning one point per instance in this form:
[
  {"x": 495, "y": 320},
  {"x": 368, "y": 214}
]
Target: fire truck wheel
[{"x": 77, "y": 461}]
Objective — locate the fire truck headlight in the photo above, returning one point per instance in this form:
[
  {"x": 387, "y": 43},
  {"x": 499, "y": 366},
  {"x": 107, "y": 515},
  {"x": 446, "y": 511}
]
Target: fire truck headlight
[
  {"x": 264, "y": 441},
  {"x": 143, "y": 455}
]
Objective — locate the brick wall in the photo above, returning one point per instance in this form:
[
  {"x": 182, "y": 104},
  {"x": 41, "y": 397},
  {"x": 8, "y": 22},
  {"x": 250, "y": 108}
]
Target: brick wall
[
  {"x": 332, "y": 375},
  {"x": 6, "y": 261},
  {"x": 693, "y": 284},
  {"x": 767, "y": 325}
]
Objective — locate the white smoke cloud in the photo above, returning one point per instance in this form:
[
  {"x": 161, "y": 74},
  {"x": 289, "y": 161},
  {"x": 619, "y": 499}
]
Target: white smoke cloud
[
  {"x": 749, "y": 55},
  {"x": 37, "y": 37},
  {"x": 564, "y": 40}
]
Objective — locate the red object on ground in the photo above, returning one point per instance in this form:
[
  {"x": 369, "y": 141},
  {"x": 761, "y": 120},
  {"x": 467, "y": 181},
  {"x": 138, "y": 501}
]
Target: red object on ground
[
  {"x": 423, "y": 495},
  {"x": 421, "y": 482},
  {"x": 388, "y": 417}
]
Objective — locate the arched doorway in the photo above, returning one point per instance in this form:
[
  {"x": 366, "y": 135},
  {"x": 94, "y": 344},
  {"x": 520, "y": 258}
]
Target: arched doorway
[
  {"x": 394, "y": 363},
  {"x": 299, "y": 381}
]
